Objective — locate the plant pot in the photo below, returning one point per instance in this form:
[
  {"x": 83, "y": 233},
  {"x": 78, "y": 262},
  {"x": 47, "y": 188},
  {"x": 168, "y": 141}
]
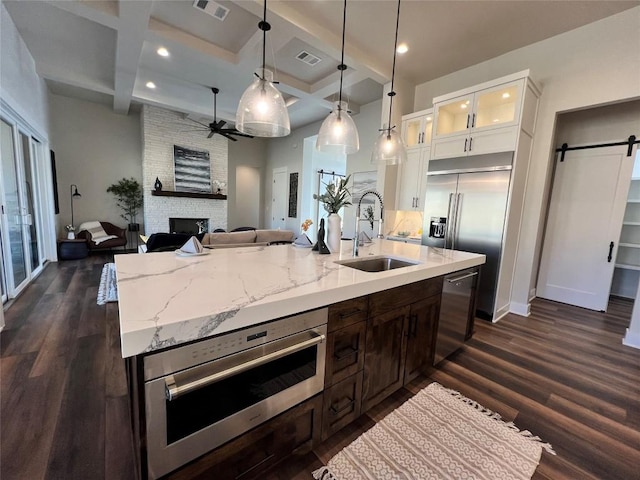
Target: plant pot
[
  {"x": 134, "y": 227},
  {"x": 334, "y": 233},
  {"x": 71, "y": 235}
]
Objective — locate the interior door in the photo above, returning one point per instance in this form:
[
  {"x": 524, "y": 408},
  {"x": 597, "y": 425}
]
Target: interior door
[
  {"x": 583, "y": 226},
  {"x": 279, "y": 199}
]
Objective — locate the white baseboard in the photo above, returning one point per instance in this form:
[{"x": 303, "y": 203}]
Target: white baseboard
[
  {"x": 631, "y": 339},
  {"x": 522, "y": 309}
]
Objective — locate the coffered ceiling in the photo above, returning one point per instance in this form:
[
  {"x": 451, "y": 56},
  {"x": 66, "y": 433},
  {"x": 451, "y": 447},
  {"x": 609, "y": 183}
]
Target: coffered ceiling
[{"x": 106, "y": 51}]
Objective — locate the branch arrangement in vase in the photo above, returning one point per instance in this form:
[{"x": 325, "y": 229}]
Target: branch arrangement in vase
[{"x": 336, "y": 196}]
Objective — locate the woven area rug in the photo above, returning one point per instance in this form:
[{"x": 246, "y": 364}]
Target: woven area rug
[
  {"x": 108, "y": 289},
  {"x": 438, "y": 434}
]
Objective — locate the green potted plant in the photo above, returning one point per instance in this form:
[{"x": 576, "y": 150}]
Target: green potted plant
[
  {"x": 128, "y": 192},
  {"x": 336, "y": 196}
]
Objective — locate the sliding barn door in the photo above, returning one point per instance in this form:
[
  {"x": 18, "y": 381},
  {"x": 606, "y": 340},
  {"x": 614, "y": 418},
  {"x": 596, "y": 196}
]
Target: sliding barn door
[{"x": 583, "y": 226}]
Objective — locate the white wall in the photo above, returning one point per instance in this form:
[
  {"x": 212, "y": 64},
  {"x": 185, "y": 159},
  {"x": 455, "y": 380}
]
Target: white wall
[
  {"x": 246, "y": 157},
  {"x": 594, "y": 65},
  {"x": 94, "y": 148},
  {"x": 20, "y": 85},
  {"x": 162, "y": 129}
]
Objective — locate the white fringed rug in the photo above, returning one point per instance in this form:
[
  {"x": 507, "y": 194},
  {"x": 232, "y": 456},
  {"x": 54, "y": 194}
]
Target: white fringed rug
[
  {"x": 438, "y": 434},
  {"x": 108, "y": 289}
]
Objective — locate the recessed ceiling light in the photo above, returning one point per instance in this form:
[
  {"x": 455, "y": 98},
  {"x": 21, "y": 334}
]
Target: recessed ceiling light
[
  {"x": 464, "y": 105},
  {"x": 151, "y": 85},
  {"x": 428, "y": 119},
  {"x": 505, "y": 95},
  {"x": 163, "y": 52},
  {"x": 402, "y": 48}
]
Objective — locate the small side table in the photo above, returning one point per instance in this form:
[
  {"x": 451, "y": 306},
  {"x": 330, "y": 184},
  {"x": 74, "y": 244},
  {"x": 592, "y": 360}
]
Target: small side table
[{"x": 72, "y": 249}]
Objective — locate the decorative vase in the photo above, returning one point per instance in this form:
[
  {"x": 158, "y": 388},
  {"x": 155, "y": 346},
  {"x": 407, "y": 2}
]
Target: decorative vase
[
  {"x": 157, "y": 185},
  {"x": 71, "y": 235},
  {"x": 335, "y": 232}
]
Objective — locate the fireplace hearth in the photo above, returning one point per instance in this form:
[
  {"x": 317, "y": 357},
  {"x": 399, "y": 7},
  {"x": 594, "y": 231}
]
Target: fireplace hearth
[{"x": 188, "y": 225}]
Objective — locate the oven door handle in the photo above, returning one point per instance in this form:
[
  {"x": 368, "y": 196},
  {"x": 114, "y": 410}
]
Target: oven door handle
[{"x": 173, "y": 388}]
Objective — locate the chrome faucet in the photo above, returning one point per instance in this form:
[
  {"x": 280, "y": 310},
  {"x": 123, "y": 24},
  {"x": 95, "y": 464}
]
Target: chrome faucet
[{"x": 356, "y": 239}]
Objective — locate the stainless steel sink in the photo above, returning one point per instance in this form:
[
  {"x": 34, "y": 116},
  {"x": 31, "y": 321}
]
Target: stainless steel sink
[{"x": 377, "y": 264}]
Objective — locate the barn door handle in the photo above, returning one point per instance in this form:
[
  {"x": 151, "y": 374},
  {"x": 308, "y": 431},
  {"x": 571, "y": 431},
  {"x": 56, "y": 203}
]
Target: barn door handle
[{"x": 610, "y": 252}]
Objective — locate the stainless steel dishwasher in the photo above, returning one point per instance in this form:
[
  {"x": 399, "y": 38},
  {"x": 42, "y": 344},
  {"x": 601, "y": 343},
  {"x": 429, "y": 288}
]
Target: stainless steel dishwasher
[{"x": 455, "y": 310}]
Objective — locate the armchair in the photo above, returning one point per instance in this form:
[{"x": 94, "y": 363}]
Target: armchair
[{"x": 109, "y": 229}]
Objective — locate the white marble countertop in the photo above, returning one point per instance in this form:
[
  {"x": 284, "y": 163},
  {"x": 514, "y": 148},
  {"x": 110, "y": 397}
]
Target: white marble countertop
[{"x": 166, "y": 300}]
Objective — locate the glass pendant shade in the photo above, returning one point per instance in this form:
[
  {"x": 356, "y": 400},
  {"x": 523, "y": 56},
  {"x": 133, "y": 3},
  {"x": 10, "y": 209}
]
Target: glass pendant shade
[
  {"x": 389, "y": 149},
  {"x": 262, "y": 111},
  {"x": 338, "y": 133}
]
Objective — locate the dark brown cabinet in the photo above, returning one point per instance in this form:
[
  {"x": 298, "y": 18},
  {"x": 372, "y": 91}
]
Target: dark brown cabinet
[
  {"x": 421, "y": 336},
  {"x": 385, "y": 356},
  {"x": 400, "y": 337},
  {"x": 344, "y": 363}
]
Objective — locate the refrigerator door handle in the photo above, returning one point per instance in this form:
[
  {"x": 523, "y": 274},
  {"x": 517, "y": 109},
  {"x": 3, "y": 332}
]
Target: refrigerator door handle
[
  {"x": 456, "y": 218},
  {"x": 448, "y": 229}
]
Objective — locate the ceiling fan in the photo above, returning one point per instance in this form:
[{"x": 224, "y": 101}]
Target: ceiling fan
[{"x": 216, "y": 127}]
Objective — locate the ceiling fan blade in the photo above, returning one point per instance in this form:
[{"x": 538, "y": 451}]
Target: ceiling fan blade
[
  {"x": 228, "y": 136},
  {"x": 211, "y": 134},
  {"x": 197, "y": 122}
]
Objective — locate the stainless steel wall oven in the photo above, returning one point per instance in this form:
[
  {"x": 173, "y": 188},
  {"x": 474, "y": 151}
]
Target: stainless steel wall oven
[{"x": 201, "y": 395}]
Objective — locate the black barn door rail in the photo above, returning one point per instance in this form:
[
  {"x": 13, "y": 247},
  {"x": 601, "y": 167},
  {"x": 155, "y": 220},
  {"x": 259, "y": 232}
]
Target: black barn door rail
[{"x": 630, "y": 142}]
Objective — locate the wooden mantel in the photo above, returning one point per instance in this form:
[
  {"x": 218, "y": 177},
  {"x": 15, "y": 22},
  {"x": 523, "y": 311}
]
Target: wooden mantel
[{"x": 165, "y": 193}]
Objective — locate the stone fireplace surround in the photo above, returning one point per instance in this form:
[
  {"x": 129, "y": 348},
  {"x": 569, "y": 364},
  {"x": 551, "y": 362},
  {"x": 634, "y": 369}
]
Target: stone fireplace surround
[{"x": 161, "y": 130}]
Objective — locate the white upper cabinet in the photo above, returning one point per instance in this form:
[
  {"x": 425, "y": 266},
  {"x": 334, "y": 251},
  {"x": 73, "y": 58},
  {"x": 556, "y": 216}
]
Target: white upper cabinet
[
  {"x": 416, "y": 128},
  {"x": 412, "y": 175},
  {"x": 479, "y": 120}
]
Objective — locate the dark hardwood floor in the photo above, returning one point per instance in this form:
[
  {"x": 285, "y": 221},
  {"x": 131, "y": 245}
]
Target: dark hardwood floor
[{"x": 562, "y": 373}]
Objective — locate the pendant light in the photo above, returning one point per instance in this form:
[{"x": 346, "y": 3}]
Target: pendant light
[
  {"x": 262, "y": 111},
  {"x": 338, "y": 133},
  {"x": 389, "y": 148}
]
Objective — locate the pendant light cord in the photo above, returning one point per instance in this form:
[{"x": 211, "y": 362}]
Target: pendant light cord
[
  {"x": 264, "y": 26},
  {"x": 393, "y": 71},
  {"x": 342, "y": 67}
]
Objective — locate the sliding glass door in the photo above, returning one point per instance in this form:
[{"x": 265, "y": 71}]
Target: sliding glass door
[{"x": 20, "y": 230}]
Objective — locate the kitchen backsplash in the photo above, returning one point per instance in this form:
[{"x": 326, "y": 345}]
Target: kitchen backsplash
[{"x": 403, "y": 221}]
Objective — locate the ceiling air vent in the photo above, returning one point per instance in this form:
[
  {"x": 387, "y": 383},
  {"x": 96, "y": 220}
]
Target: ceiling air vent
[
  {"x": 308, "y": 58},
  {"x": 212, "y": 8}
]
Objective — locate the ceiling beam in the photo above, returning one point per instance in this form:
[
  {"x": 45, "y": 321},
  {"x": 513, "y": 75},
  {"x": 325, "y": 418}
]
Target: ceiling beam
[{"x": 134, "y": 22}]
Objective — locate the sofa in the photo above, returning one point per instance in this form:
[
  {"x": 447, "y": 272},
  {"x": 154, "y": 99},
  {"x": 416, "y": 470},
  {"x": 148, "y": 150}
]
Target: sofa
[
  {"x": 110, "y": 229},
  {"x": 161, "y": 242}
]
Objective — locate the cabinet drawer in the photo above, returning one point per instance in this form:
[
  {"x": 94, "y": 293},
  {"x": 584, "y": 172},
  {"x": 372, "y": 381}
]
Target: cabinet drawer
[
  {"x": 341, "y": 404},
  {"x": 394, "y": 298},
  {"x": 248, "y": 456},
  {"x": 347, "y": 312},
  {"x": 345, "y": 352}
]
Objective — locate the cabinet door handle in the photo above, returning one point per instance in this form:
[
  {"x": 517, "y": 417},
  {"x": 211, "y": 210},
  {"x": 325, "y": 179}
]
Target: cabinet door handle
[
  {"x": 336, "y": 411},
  {"x": 345, "y": 353},
  {"x": 465, "y": 144},
  {"x": 468, "y": 118},
  {"x": 611, "y": 245},
  {"x": 470, "y": 142},
  {"x": 473, "y": 122}
]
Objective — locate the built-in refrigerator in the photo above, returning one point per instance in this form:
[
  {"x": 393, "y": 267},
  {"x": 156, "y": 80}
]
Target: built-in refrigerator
[{"x": 465, "y": 210}]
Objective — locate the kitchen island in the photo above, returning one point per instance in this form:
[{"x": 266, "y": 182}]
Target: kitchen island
[
  {"x": 165, "y": 300},
  {"x": 238, "y": 357}
]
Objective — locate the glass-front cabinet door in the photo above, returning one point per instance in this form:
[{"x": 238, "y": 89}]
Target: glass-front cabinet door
[
  {"x": 416, "y": 128},
  {"x": 499, "y": 106},
  {"x": 454, "y": 116}
]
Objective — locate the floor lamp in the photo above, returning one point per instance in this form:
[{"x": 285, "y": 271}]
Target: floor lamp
[{"x": 73, "y": 192}]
